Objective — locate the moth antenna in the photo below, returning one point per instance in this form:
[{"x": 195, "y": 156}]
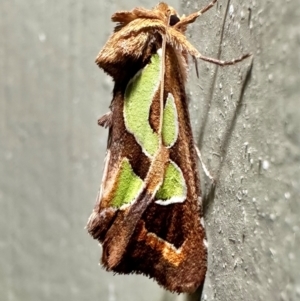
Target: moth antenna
[{"x": 205, "y": 169}]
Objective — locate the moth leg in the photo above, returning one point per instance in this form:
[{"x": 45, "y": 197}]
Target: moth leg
[
  {"x": 192, "y": 17},
  {"x": 105, "y": 120},
  {"x": 223, "y": 63},
  {"x": 207, "y": 7},
  {"x": 205, "y": 169}
]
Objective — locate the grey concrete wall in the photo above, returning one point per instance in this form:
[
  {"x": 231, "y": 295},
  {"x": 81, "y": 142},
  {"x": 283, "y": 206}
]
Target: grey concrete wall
[{"x": 52, "y": 151}]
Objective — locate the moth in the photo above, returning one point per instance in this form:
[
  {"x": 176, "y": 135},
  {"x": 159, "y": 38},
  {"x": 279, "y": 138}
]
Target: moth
[{"x": 148, "y": 214}]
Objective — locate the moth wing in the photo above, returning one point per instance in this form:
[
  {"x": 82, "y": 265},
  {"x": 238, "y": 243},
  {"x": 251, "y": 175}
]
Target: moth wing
[
  {"x": 133, "y": 166},
  {"x": 168, "y": 242}
]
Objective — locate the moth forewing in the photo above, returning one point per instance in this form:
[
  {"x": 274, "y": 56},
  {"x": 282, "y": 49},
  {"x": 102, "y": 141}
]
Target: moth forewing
[{"x": 148, "y": 214}]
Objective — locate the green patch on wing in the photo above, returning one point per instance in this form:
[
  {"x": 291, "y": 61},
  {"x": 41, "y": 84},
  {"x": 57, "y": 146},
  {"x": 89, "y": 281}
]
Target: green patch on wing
[
  {"x": 170, "y": 122},
  {"x": 128, "y": 185},
  {"x": 173, "y": 189},
  {"x": 138, "y": 99}
]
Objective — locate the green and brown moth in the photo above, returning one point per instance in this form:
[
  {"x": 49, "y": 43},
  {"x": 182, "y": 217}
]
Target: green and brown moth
[{"x": 148, "y": 214}]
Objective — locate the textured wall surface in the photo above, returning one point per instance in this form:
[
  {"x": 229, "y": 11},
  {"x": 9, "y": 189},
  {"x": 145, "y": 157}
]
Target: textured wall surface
[
  {"x": 52, "y": 151},
  {"x": 249, "y": 134}
]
